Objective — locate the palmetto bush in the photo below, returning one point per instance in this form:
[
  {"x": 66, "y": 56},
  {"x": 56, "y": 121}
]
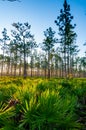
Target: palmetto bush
[
  {"x": 6, "y": 116},
  {"x": 7, "y": 92},
  {"x": 81, "y": 108},
  {"x": 50, "y": 112},
  {"x": 42, "y": 104}
]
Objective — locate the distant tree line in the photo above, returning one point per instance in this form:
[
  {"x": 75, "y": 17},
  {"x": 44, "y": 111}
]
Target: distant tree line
[{"x": 58, "y": 56}]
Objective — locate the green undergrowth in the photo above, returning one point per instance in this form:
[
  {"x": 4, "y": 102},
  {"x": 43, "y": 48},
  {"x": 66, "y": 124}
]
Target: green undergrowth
[{"x": 42, "y": 104}]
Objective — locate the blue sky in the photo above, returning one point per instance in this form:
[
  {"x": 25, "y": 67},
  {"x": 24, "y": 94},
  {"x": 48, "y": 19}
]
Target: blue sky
[{"x": 41, "y": 14}]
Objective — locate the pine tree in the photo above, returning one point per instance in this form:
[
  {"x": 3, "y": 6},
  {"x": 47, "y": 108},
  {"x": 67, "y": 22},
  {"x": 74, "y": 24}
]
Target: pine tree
[
  {"x": 23, "y": 34},
  {"x": 4, "y": 47},
  {"x": 48, "y": 45},
  {"x": 67, "y": 36}
]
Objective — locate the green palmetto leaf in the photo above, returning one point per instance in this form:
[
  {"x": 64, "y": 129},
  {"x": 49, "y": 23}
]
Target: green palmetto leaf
[
  {"x": 50, "y": 112},
  {"x": 6, "y": 115}
]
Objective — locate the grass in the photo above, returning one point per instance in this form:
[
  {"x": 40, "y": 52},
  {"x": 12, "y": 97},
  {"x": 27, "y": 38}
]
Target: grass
[{"x": 42, "y": 104}]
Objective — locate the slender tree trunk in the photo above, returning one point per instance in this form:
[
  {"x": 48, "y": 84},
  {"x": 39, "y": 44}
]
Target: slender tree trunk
[
  {"x": 48, "y": 64},
  {"x": 2, "y": 66},
  {"x": 31, "y": 65},
  {"x": 20, "y": 63},
  {"x": 31, "y": 72},
  {"x": 12, "y": 67},
  {"x": 71, "y": 64},
  {"x": 25, "y": 66},
  {"x": 15, "y": 66},
  {"x": 8, "y": 67},
  {"x": 68, "y": 64},
  {"x": 62, "y": 66},
  {"x": 20, "y": 67},
  {"x": 65, "y": 67}
]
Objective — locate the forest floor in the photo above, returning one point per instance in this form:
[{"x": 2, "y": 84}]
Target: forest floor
[{"x": 42, "y": 104}]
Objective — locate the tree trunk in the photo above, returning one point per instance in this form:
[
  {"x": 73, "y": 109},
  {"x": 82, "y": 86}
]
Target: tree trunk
[
  {"x": 25, "y": 66},
  {"x": 48, "y": 64}
]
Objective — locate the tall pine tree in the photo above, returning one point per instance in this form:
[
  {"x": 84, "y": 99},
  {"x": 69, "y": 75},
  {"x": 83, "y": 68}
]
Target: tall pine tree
[
  {"x": 67, "y": 37},
  {"x": 48, "y": 45}
]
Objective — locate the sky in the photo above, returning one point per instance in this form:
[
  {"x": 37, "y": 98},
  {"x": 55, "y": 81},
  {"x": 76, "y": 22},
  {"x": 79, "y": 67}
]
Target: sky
[{"x": 41, "y": 14}]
